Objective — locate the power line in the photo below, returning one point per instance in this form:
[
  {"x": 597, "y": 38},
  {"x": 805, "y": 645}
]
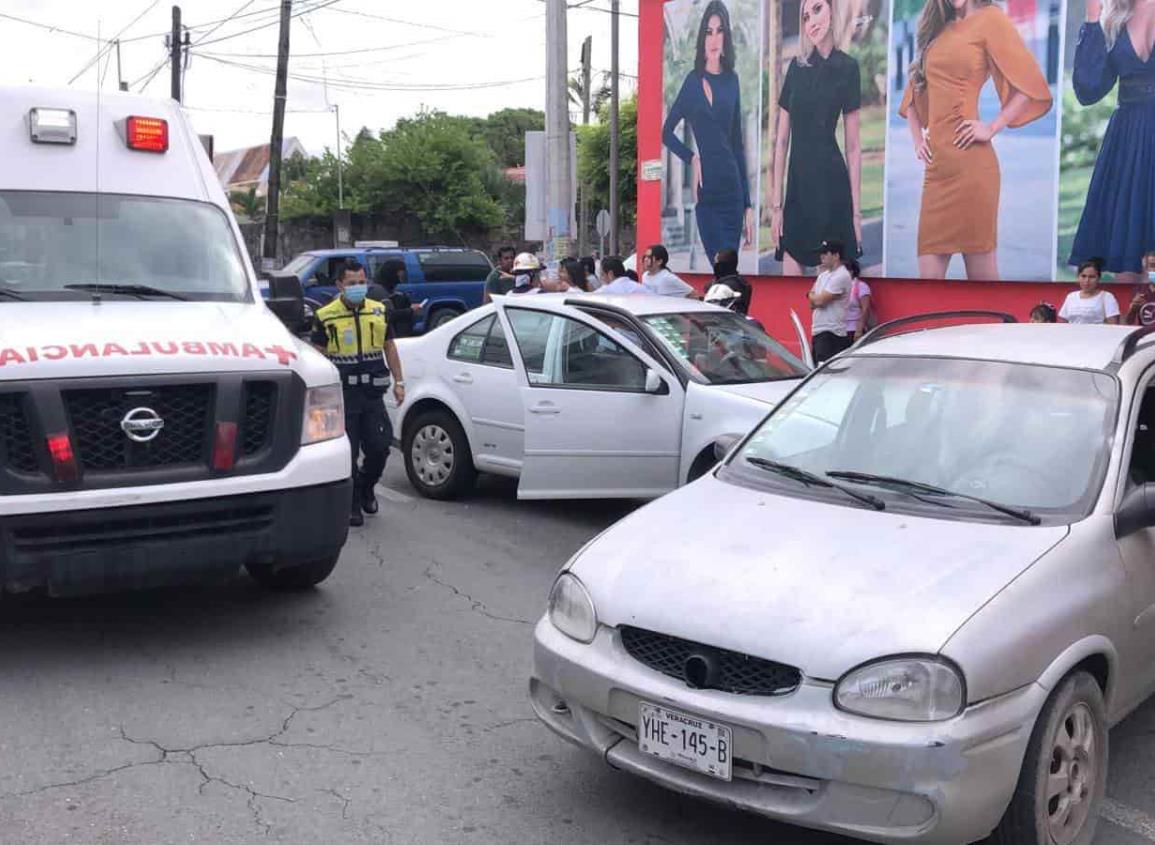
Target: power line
[
  {"x": 353, "y": 84},
  {"x": 338, "y": 53},
  {"x": 221, "y": 23},
  {"x": 108, "y": 45},
  {"x": 410, "y": 23},
  {"x": 51, "y": 27},
  {"x": 323, "y": 4}
]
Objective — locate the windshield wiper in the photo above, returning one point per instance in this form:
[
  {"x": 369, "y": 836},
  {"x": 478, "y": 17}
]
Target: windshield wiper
[
  {"x": 130, "y": 290},
  {"x": 930, "y": 489},
  {"x": 11, "y": 294},
  {"x": 810, "y": 479}
]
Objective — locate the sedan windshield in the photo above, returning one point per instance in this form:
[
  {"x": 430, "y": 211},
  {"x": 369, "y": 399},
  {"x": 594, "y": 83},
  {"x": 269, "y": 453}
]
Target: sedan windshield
[
  {"x": 72, "y": 245},
  {"x": 968, "y": 436},
  {"x": 724, "y": 348}
]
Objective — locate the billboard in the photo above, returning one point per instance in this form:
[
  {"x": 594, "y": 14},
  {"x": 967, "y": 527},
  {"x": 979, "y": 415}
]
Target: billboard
[{"x": 963, "y": 139}]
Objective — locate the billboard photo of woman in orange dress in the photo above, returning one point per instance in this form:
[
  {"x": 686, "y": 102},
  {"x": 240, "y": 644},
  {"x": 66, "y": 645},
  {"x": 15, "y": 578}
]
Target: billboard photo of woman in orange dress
[{"x": 960, "y": 45}]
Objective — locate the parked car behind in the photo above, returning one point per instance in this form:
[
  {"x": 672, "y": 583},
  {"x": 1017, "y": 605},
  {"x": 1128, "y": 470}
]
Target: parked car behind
[
  {"x": 450, "y": 281},
  {"x": 923, "y": 591},
  {"x": 584, "y": 396}
]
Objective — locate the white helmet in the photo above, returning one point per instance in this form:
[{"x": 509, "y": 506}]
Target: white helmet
[
  {"x": 526, "y": 262},
  {"x": 724, "y": 295}
]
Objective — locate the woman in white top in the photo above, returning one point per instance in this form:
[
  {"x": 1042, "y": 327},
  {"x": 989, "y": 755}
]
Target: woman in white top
[
  {"x": 1089, "y": 304},
  {"x": 858, "y": 304}
]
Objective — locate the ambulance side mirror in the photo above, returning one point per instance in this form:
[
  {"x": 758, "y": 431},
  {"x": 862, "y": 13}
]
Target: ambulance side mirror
[{"x": 287, "y": 300}]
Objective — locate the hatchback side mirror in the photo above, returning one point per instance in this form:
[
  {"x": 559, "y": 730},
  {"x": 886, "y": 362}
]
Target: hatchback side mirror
[
  {"x": 655, "y": 383},
  {"x": 723, "y": 444},
  {"x": 1137, "y": 511},
  {"x": 287, "y": 300}
]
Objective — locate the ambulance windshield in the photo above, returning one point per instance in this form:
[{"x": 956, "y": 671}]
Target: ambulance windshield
[{"x": 53, "y": 245}]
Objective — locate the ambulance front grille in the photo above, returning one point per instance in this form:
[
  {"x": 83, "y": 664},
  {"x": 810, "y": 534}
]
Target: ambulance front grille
[{"x": 16, "y": 448}]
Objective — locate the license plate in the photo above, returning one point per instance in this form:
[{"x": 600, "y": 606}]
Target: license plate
[{"x": 688, "y": 741}]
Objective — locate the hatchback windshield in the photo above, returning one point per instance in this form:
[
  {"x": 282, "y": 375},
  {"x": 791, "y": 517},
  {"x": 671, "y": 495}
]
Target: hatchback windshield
[
  {"x": 52, "y": 242},
  {"x": 1026, "y": 436},
  {"x": 724, "y": 348}
]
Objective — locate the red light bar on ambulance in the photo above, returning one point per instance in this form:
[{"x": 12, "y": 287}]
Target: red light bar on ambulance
[{"x": 149, "y": 134}]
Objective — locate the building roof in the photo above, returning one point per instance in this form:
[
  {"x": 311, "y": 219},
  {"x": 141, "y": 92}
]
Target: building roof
[
  {"x": 249, "y": 167},
  {"x": 1049, "y": 344}
]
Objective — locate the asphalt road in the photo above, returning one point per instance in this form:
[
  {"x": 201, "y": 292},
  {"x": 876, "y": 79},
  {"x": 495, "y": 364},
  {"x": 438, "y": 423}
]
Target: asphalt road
[{"x": 387, "y": 707}]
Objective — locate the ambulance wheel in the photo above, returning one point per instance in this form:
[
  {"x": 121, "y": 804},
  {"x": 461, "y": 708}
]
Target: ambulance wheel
[{"x": 300, "y": 577}]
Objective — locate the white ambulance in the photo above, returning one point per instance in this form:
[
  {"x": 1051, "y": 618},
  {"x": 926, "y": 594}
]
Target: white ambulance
[{"x": 158, "y": 423}]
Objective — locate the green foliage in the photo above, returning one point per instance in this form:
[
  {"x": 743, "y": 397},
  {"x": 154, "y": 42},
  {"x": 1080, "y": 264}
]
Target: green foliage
[
  {"x": 1083, "y": 128},
  {"x": 871, "y": 56},
  {"x": 594, "y": 159},
  {"x": 248, "y": 204},
  {"x": 504, "y": 132}
]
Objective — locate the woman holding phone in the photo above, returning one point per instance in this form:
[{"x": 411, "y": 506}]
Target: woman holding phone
[
  {"x": 711, "y": 103},
  {"x": 961, "y": 44},
  {"x": 824, "y": 188}
]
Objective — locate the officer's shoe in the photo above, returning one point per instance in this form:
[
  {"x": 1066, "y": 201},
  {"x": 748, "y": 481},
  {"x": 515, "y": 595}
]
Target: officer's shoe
[
  {"x": 356, "y": 519},
  {"x": 369, "y": 500}
]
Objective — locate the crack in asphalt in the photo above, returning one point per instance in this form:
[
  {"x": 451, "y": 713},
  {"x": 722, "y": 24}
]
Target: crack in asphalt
[
  {"x": 475, "y": 605},
  {"x": 345, "y": 801},
  {"x": 187, "y": 756},
  {"x": 509, "y": 723}
]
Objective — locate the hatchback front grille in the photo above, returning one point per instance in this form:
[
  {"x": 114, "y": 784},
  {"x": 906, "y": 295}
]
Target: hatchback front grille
[
  {"x": 101, "y": 443},
  {"x": 737, "y": 673},
  {"x": 16, "y": 447}
]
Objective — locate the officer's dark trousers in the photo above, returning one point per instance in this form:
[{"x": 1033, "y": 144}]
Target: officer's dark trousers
[{"x": 370, "y": 434}]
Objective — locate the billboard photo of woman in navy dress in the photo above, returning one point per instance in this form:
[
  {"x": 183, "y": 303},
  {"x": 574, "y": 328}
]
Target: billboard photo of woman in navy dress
[
  {"x": 1114, "y": 56},
  {"x": 709, "y": 105}
]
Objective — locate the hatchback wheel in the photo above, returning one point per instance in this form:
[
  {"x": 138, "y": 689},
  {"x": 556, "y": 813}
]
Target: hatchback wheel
[
  {"x": 1064, "y": 773},
  {"x": 437, "y": 457}
]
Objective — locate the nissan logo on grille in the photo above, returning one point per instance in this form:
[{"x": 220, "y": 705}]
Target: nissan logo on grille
[{"x": 142, "y": 424}]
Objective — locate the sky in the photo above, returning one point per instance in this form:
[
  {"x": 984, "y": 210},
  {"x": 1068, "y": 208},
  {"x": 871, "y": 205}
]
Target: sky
[{"x": 378, "y": 60}]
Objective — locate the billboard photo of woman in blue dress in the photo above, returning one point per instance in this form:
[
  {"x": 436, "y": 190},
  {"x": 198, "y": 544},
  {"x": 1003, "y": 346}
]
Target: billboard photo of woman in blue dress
[
  {"x": 1113, "y": 61},
  {"x": 706, "y": 130}
]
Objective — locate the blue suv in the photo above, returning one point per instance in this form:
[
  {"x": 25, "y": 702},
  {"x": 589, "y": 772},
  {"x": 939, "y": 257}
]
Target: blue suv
[{"x": 450, "y": 281}]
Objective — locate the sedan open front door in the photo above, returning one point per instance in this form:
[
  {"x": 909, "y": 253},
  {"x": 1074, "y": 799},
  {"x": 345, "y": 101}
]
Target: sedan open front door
[{"x": 602, "y": 419}]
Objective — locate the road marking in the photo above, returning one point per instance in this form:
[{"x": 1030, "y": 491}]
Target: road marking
[
  {"x": 394, "y": 496},
  {"x": 1128, "y": 818}
]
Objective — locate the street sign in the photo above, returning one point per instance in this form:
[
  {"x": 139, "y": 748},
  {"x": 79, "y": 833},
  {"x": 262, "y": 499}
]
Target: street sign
[
  {"x": 652, "y": 170},
  {"x": 603, "y": 223}
]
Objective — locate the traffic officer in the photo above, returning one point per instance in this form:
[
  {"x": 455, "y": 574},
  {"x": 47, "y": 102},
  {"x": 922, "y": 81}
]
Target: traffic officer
[{"x": 353, "y": 332}]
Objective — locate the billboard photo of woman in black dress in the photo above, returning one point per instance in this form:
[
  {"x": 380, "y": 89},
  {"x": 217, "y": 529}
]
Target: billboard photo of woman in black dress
[
  {"x": 823, "y": 187},
  {"x": 710, "y": 103}
]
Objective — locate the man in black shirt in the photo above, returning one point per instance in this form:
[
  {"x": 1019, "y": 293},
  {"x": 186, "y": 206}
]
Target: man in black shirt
[
  {"x": 726, "y": 273},
  {"x": 500, "y": 281}
]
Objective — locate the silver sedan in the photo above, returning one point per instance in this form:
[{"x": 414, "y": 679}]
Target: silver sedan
[{"x": 906, "y": 608}]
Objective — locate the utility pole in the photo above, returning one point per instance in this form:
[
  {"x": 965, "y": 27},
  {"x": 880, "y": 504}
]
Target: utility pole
[
  {"x": 559, "y": 178},
  {"x": 174, "y": 58},
  {"x": 340, "y": 167},
  {"x": 584, "y": 204},
  {"x": 273, "y": 200},
  {"x": 615, "y": 130}
]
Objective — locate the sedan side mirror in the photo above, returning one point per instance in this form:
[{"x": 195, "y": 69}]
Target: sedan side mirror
[
  {"x": 655, "y": 383},
  {"x": 1137, "y": 511},
  {"x": 723, "y": 445},
  {"x": 287, "y": 300}
]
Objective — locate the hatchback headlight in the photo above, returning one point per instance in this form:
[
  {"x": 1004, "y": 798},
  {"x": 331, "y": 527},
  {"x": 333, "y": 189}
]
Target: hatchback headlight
[
  {"x": 571, "y": 610},
  {"x": 324, "y": 414},
  {"x": 905, "y": 689}
]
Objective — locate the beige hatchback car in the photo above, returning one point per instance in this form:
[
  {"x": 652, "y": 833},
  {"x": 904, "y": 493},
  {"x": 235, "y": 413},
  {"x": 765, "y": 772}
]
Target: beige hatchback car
[{"x": 907, "y": 607}]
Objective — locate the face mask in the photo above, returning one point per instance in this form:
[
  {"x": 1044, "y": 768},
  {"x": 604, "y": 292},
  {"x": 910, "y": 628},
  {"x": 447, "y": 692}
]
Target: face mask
[{"x": 355, "y": 294}]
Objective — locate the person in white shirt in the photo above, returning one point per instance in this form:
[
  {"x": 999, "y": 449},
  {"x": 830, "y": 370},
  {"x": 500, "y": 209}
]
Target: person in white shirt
[
  {"x": 1089, "y": 304},
  {"x": 828, "y": 304},
  {"x": 657, "y": 276},
  {"x": 615, "y": 280}
]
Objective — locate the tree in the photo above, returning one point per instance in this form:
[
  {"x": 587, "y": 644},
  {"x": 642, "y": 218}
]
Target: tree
[
  {"x": 504, "y": 132},
  {"x": 600, "y": 92},
  {"x": 248, "y": 204},
  {"x": 594, "y": 159}
]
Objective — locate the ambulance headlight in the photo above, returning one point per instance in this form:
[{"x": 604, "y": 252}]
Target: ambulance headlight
[{"x": 324, "y": 414}]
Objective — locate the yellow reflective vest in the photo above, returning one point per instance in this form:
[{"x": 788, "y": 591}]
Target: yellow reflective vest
[{"x": 354, "y": 340}]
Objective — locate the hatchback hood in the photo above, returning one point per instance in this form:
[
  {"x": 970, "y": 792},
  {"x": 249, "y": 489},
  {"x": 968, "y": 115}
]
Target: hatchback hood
[
  {"x": 41, "y": 340},
  {"x": 819, "y": 586},
  {"x": 768, "y": 392}
]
